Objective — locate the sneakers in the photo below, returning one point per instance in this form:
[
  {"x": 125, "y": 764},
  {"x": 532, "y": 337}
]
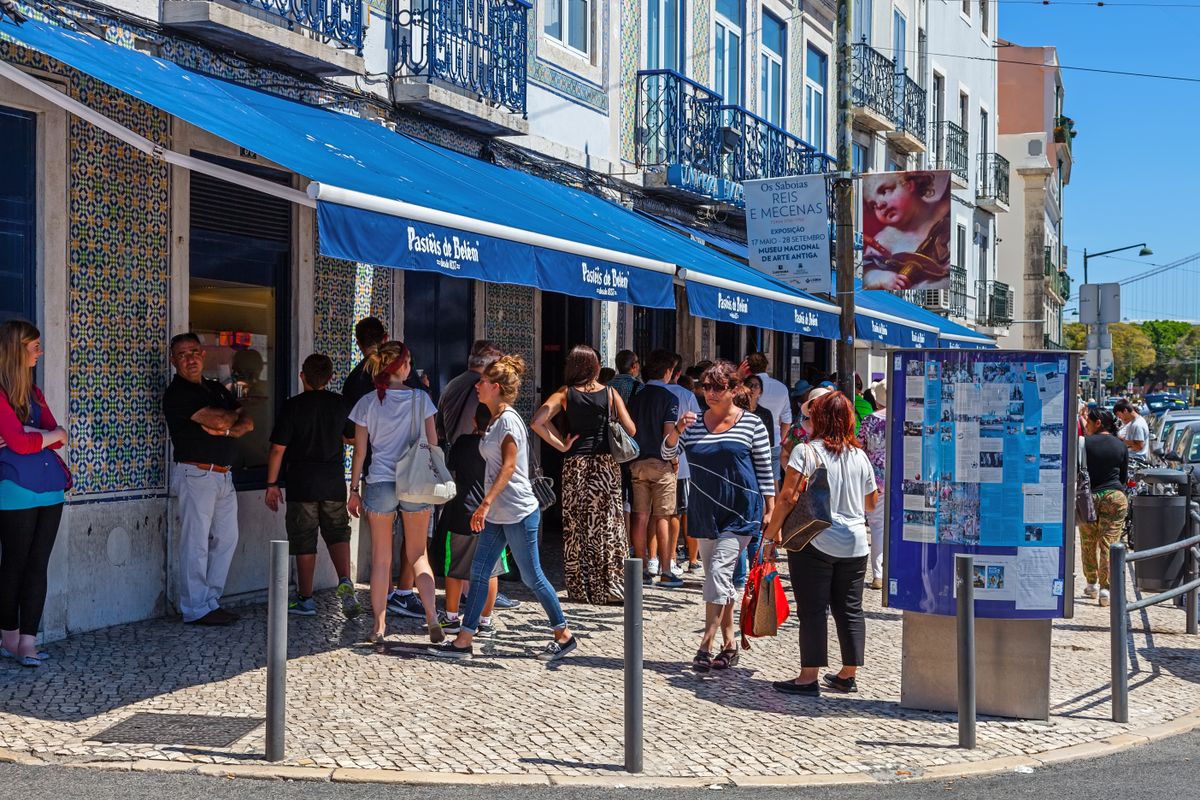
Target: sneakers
[
  {"x": 1091, "y": 590},
  {"x": 669, "y": 581},
  {"x": 554, "y": 651},
  {"x": 676, "y": 571},
  {"x": 406, "y": 605},
  {"x": 652, "y": 566},
  {"x": 449, "y": 625},
  {"x": 695, "y": 566},
  {"x": 448, "y": 649},
  {"x": 486, "y": 630},
  {"x": 504, "y": 602},
  {"x": 351, "y": 607},
  {"x": 1104, "y": 597},
  {"x": 302, "y": 607}
]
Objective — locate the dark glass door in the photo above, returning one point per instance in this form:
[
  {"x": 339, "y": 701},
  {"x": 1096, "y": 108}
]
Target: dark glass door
[{"x": 439, "y": 325}]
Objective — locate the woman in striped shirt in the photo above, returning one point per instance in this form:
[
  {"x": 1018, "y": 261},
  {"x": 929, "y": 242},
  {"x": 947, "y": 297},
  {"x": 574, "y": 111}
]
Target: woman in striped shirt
[{"x": 732, "y": 494}]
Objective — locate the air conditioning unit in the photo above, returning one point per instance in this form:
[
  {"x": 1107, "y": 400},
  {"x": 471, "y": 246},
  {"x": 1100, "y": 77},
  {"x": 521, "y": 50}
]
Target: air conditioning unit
[{"x": 936, "y": 299}]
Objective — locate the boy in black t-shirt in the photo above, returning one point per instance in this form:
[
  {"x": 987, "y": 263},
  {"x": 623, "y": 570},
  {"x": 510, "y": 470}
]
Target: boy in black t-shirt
[
  {"x": 307, "y": 439},
  {"x": 454, "y": 539}
]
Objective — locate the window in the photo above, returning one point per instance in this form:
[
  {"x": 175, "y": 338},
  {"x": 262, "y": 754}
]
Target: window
[
  {"x": 770, "y": 105},
  {"x": 860, "y": 158},
  {"x": 983, "y": 16},
  {"x": 983, "y": 130},
  {"x": 569, "y": 21},
  {"x": 240, "y": 254},
  {"x": 816, "y": 76},
  {"x": 899, "y": 40},
  {"x": 862, "y": 20},
  {"x": 727, "y": 51},
  {"x": 939, "y": 115},
  {"x": 964, "y": 110},
  {"x": 18, "y": 214},
  {"x": 664, "y": 34},
  {"x": 961, "y": 249},
  {"x": 966, "y": 8}
]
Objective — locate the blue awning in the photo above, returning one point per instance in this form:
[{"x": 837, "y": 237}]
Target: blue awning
[{"x": 385, "y": 198}]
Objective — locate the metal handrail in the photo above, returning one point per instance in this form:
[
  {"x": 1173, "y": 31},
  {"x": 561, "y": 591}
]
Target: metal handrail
[
  {"x": 678, "y": 122},
  {"x": 910, "y": 106},
  {"x": 339, "y": 20},
  {"x": 873, "y": 80},
  {"x": 478, "y": 45},
  {"x": 1120, "y": 609}
]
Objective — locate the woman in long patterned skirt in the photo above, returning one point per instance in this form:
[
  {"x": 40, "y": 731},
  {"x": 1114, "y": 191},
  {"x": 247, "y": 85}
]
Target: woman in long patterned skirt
[{"x": 595, "y": 542}]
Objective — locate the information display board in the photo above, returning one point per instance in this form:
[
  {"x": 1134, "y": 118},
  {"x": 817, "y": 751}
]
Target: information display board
[{"x": 981, "y": 459}]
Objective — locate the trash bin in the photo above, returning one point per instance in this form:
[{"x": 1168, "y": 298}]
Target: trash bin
[{"x": 1160, "y": 518}]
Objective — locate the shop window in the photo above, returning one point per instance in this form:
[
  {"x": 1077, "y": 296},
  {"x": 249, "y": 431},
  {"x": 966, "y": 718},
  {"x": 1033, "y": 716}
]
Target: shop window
[
  {"x": 18, "y": 214},
  {"x": 240, "y": 248}
]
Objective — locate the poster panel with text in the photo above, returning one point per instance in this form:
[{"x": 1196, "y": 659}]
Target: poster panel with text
[
  {"x": 980, "y": 461},
  {"x": 787, "y": 230},
  {"x": 906, "y": 230}
]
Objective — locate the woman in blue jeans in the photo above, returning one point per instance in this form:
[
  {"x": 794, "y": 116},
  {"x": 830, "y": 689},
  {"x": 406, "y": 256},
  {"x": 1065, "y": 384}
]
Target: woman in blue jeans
[{"x": 508, "y": 513}]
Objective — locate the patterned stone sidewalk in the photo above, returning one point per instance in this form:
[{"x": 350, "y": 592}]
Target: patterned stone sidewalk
[{"x": 505, "y": 713}]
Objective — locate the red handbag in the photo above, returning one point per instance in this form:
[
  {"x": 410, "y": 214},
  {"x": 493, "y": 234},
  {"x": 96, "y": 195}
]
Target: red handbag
[{"x": 764, "y": 605}]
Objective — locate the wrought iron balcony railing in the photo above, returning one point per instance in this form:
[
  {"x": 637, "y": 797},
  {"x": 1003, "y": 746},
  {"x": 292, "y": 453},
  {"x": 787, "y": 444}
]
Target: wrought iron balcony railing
[
  {"x": 477, "y": 45},
  {"x": 993, "y": 177},
  {"x": 950, "y": 148},
  {"x": 958, "y": 291},
  {"x": 1049, "y": 343},
  {"x": 1051, "y": 263},
  {"x": 994, "y": 306},
  {"x": 952, "y": 301},
  {"x": 1059, "y": 282},
  {"x": 753, "y": 148},
  {"x": 873, "y": 81},
  {"x": 678, "y": 122},
  {"x": 340, "y": 21},
  {"x": 910, "y": 107}
]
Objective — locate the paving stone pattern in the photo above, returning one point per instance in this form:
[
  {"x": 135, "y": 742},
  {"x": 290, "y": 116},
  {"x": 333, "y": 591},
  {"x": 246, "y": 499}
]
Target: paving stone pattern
[{"x": 505, "y": 712}]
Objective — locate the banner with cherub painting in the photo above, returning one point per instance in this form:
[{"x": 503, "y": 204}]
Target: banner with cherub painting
[{"x": 906, "y": 230}]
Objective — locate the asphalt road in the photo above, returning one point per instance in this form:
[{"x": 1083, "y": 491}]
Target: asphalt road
[{"x": 1168, "y": 768}]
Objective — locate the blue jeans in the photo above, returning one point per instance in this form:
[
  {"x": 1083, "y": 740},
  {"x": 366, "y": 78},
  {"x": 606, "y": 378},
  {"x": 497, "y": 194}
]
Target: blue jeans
[
  {"x": 522, "y": 540},
  {"x": 742, "y": 572}
]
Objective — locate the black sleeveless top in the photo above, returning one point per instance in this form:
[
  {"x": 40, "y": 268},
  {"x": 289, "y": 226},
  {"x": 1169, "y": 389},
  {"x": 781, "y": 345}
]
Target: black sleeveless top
[{"x": 587, "y": 413}]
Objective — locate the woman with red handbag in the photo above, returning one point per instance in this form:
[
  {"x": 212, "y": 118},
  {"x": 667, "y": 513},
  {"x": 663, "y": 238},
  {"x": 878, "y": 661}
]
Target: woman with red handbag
[
  {"x": 828, "y": 574},
  {"x": 33, "y": 482}
]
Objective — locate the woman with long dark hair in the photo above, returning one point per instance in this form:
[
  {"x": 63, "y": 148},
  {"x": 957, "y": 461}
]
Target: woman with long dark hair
[
  {"x": 595, "y": 541},
  {"x": 1107, "y": 460},
  {"x": 732, "y": 495},
  {"x": 827, "y": 575},
  {"x": 33, "y": 481}
]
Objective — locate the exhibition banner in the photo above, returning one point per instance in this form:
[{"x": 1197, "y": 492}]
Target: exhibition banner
[
  {"x": 906, "y": 230},
  {"x": 787, "y": 230}
]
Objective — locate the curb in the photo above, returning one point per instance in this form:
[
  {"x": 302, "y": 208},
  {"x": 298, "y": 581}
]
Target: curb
[{"x": 1101, "y": 747}]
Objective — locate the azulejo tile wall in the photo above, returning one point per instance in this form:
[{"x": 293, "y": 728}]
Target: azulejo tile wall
[
  {"x": 701, "y": 40},
  {"x": 118, "y": 288},
  {"x": 509, "y": 322},
  {"x": 631, "y": 43},
  {"x": 343, "y": 293}
]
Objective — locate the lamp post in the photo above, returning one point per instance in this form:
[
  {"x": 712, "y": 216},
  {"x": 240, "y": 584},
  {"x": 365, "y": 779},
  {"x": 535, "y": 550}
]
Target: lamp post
[{"x": 1145, "y": 251}]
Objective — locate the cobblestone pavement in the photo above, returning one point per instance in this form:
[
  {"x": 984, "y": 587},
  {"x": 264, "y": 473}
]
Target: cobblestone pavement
[{"x": 504, "y": 712}]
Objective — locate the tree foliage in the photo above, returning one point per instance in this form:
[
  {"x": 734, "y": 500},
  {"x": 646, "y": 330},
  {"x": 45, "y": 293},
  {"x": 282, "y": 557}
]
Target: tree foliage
[{"x": 1133, "y": 351}]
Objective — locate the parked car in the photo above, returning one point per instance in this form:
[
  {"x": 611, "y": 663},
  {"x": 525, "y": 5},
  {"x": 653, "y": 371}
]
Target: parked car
[
  {"x": 1177, "y": 427},
  {"x": 1158, "y": 402},
  {"x": 1187, "y": 449},
  {"x": 1159, "y": 425}
]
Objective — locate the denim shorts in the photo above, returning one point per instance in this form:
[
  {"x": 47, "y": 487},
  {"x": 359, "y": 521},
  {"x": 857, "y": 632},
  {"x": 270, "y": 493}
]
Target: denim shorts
[{"x": 380, "y": 498}]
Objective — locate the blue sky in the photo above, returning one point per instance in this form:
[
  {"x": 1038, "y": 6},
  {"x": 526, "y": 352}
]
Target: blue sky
[{"x": 1137, "y": 164}]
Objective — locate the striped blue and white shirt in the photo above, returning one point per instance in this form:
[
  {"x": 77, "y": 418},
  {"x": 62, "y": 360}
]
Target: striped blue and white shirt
[{"x": 731, "y": 476}]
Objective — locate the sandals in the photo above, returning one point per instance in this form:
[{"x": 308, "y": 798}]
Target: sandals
[
  {"x": 702, "y": 662},
  {"x": 728, "y": 657}
]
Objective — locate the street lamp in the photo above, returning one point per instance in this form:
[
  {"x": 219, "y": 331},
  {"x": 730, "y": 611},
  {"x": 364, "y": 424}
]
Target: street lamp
[{"x": 1145, "y": 251}]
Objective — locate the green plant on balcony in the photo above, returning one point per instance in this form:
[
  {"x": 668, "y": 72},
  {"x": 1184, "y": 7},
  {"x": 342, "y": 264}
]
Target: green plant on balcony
[{"x": 1064, "y": 130}]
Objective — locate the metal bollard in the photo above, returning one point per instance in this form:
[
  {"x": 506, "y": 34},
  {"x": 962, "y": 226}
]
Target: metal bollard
[
  {"x": 964, "y": 574},
  {"x": 277, "y": 650},
  {"x": 633, "y": 665},
  {"x": 1118, "y": 631}
]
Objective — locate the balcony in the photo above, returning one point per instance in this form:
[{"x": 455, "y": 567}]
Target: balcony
[
  {"x": 950, "y": 151},
  {"x": 909, "y": 115},
  {"x": 1057, "y": 282},
  {"x": 873, "y": 88},
  {"x": 1050, "y": 344},
  {"x": 464, "y": 62},
  {"x": 994, "y": 305},
  {"x": 704, "y": 147},
  {"x": 992, "y": 194},
  {"x": 753, "y": 148},
  {"x": 318, "y": 37}
]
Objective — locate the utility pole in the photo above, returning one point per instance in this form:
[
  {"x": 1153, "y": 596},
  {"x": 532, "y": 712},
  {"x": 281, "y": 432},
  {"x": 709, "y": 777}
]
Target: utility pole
[{"x": 843, "y": 199}]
